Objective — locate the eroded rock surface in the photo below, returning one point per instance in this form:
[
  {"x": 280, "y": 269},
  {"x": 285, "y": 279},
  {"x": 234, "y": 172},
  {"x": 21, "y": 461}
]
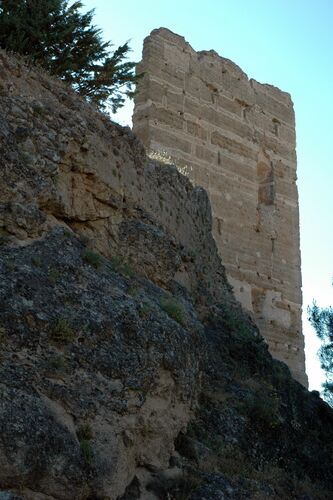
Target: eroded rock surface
[{"x": 128, "y": 370}]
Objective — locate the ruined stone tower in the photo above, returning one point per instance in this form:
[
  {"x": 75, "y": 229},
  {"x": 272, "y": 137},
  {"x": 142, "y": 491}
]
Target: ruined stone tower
[{"x": 236, "y": 138}]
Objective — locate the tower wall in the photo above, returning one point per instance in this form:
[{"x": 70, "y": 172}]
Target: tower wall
[{"x": 236, "y": 138}]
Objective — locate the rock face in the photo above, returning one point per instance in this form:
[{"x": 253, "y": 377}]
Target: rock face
[
  {"x": 63, "y": 165},
  {"x": 128, "y": 370},
  {"x": 236, "y": 138}
]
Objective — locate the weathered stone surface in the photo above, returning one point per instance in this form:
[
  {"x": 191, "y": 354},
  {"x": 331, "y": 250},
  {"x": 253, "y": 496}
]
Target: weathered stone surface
[
  {"x": 97, "y": 375},
  {"x": 100, "y": 184},
  {"x": 127, "y": 369},
  {"x": 237, "y": 139},
  {"x": 69, "y": 328}
]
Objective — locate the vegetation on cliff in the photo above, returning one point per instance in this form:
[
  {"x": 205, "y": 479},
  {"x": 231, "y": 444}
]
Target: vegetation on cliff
[{"x": 57, "y": 36}]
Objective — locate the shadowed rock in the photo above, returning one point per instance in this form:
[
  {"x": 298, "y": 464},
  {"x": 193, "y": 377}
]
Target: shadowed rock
[{"x": 128, "y": 370}]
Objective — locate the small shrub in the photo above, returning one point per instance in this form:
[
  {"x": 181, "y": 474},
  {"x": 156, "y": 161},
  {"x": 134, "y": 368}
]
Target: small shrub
[
  {"x": 145, "y": 310},
  {"x": 235, "y": 321},
  {"x": 232, "y": 461},
  {"x": 56, "y": 363},
  {"x": 38, "y": 108},
  {"x": 67, "y": 233},
  {"x": 53, "y": 275},
  {"x": 280, "y": 374},
  {"x": 26, "y": 158},
  {"x": 92, "y": 258},
  {"x": 116, "y": 262},
  {"x": 2, "y": 335},
  {"x": 174, "y": 310},
  {"x": 85, "y": 432},
  {"x": 192, "y": 255},
  {"x": 11, "y": 266},
  {"x": 86, "y": 451},
  {"x": 85, "y": 240},
  {"x": 4, "y": 237},
  {"x": 61, "y": 332},
  {"x": 36, "y": 261},
  {"x": 127, "y": 270},
  {"x": 122, "y": 266},
  {"x": 133, "y": 291},
  {"x": 264, "y": 407}
]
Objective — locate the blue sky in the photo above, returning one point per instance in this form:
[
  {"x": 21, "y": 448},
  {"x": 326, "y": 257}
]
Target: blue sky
[{"x": 289, "y": 44}]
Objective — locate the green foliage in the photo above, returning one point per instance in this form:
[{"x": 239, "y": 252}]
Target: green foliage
[
  {"x": 234, "y": 321},
  {"x": 174, "y": 310},
  {"x": 38, "y": 108},
  {"x": 280, "y": 374},
  {"x": 4, "y": 237},
  {"x": 53, "y": 275},
  {"x": 122, "y": 266},
  {"x": 3, "y": 336},
  {"x": 127, "y": 270},
  {"x": 133, "y": 291},
  {"x": 85, "y": 434},
  {"x": 244, "y": 347},
  {"x": 233, "y": 461},
  {"x": 92, "y": 258},
  {"x": 68, "y": 233},
  {"x": 116, "y": 262},
  {"x": 61, "y": 39},
  {"x": 263, "y": 408},
  {"x": 36, "y": 261},
  {"x": 61, "y": 332},
  {"x": 86, "y": 451},
  {"x": 145, "y": 310},
  {"x": 56, "y": 363},
  {"x": 322, "y": 321}
]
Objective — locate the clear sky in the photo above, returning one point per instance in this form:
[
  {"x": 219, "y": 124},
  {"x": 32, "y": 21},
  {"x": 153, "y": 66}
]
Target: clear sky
[{"x": 289, "y": 44}]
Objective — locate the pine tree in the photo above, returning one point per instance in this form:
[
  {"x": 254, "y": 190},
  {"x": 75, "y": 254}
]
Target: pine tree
[
  {"x": 322, "y": 321},
  {"x": 61, "y": 39}
]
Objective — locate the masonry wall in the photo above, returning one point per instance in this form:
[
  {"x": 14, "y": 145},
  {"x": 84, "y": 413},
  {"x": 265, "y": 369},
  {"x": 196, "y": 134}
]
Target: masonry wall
[{"x": 236, "y": 138}]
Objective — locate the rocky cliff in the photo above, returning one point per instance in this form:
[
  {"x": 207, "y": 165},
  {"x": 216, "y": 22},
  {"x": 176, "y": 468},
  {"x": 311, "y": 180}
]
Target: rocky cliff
[{"x": 128, "y": 370}]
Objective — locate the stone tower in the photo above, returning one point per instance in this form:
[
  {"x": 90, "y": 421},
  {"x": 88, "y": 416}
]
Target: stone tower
[{"x": 236, "y": 138}]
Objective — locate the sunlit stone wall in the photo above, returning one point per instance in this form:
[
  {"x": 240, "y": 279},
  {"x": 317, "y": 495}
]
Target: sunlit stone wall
[{"x": 236, "y": 138}]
